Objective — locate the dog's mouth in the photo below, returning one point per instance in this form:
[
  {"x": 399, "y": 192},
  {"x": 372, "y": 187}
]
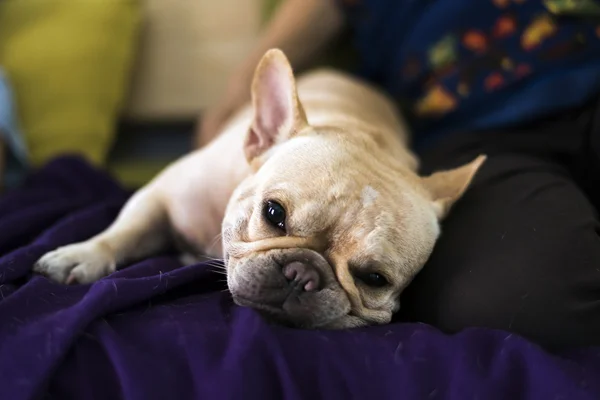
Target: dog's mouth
[
  {"x": 277, "y": 315},
  {"x": 298, "y": 310}
]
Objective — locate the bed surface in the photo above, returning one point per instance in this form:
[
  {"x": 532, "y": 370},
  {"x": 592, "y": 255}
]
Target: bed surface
[{"x": 156, "y": 330}]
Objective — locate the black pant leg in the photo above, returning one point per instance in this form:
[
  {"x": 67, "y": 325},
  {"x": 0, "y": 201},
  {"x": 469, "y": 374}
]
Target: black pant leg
[
  {"x": 587, "y": 164},
  {"x": 520, "y": 251}
]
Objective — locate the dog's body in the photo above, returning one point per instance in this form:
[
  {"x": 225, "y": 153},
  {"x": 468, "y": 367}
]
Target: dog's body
[{"x": 323, "y": 217}]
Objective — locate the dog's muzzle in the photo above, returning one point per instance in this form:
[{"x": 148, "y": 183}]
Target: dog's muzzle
[{"x": 295, "y": 287}]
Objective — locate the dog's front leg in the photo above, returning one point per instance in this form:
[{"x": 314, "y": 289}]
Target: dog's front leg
[{"x": 141, "y": 229}]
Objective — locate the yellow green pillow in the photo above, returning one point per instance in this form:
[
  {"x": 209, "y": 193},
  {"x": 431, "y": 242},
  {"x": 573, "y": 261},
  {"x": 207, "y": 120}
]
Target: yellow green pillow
[{"x": 69, "y": 62}]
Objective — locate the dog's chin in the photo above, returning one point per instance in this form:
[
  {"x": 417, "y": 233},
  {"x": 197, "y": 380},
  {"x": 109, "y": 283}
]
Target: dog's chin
[
  {"x": 278, "y": 316},
  {"x": 345, "y": 322}
]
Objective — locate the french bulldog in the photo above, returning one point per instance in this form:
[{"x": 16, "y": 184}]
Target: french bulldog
[{"x": 310, "y": 195}]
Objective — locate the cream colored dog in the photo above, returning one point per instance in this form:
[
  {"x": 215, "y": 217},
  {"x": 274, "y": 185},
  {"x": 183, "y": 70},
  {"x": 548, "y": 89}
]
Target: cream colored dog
[{"x": 324, "y": 220}]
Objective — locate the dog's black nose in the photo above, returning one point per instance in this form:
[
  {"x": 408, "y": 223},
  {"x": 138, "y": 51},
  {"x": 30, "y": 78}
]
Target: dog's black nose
[{"x": 303, "y": 275}]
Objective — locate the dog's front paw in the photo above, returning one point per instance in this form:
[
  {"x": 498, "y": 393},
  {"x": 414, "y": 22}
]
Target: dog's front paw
[{"x": 77, "y": 263}]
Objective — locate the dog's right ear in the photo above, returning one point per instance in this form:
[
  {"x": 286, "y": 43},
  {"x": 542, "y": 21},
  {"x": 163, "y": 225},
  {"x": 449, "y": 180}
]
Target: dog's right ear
[
  {"x": 278, "y": 113},
  {"x": 446, "y": 187}
]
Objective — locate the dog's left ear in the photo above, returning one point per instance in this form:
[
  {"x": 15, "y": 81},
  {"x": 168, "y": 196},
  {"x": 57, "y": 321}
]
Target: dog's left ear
[
  {"x": 446, "y": 187},
  {"x": 278, "y": 113}
]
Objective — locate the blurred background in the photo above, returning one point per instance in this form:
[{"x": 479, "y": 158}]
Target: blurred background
[{"x": 121, "y": 82}]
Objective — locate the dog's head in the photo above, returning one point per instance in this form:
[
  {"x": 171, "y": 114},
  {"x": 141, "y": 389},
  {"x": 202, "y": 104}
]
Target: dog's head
[{"x": 330, "y": 228}]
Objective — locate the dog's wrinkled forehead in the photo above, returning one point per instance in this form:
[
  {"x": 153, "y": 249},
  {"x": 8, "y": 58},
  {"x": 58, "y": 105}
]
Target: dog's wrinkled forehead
[{"x": 323, "y": 187}]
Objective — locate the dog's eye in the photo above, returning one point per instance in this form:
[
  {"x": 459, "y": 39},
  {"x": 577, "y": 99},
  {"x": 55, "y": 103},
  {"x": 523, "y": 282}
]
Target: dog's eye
[
  {"x": 373, "y": 279},
  {"x": 274, "y": 213}
]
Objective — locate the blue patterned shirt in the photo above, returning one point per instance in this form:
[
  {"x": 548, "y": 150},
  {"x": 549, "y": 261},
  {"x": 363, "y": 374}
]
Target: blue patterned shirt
[{"x": 464, "y": 65}]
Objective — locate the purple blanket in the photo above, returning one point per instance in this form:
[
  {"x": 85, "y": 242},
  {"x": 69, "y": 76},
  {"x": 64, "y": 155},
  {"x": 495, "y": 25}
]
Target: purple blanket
[{"x": 158, "y": 331}]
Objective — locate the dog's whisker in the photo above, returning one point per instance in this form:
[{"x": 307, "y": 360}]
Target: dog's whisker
[
  {"x": 213, "y": 258},
  {"x": 215, "y": 263},
  {"x": 216, "y": 239},
  {"x": 208, "y": 258}
]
